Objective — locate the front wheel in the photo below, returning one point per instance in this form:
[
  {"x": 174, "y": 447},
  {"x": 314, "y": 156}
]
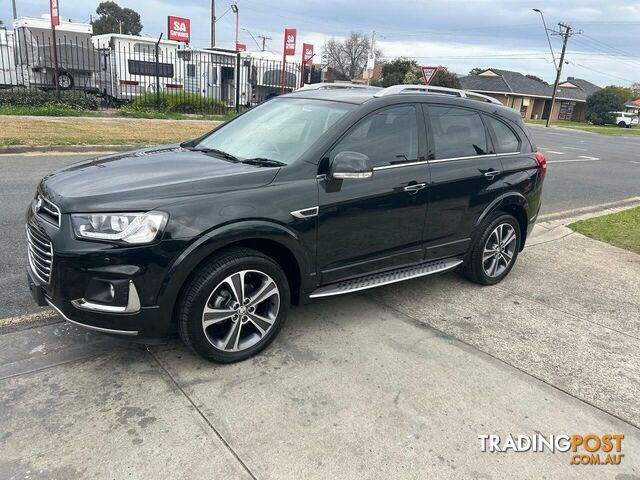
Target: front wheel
[
  {"x": 234, "y": 306},
  {"x": 495, "y": 251},
  {"x": 622, "y": 125}
]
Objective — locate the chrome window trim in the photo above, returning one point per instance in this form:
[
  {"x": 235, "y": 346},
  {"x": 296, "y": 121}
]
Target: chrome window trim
[{"x": 439, "y": 160}]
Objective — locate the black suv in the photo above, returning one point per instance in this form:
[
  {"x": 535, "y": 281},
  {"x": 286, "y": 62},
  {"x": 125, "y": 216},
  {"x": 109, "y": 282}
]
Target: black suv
[{"x": 311, "y": 194}]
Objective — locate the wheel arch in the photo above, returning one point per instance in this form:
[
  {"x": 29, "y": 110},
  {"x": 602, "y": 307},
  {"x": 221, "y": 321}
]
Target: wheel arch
[
  {"x": 513, "y": 203},
  {"x": 273, "y": 240}
]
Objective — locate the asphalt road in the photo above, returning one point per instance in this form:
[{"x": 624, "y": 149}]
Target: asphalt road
[{"x": 584, "y": 169}]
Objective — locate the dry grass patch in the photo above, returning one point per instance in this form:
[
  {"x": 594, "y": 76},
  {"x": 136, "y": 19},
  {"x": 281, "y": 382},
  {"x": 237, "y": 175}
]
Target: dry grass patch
[{"x": 98, "y": 131}]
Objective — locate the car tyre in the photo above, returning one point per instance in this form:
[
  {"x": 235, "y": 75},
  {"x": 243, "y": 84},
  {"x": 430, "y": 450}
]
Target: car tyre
[
  {"x": 622, "y": 125},
  {"x": 494, "y": 251},
  {"x": 234, "y": 305}
]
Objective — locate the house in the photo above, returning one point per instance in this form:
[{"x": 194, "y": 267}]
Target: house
[
  {"x": 532, "y": 97},
  {"x": 632, "y": 106}
]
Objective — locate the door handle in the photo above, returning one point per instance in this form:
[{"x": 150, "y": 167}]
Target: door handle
[
  {"x": 414, "y": 187},
  {"x": 491, "y": 173}
]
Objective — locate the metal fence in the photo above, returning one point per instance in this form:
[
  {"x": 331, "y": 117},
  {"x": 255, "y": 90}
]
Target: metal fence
[{"x": 122, "y": 69}]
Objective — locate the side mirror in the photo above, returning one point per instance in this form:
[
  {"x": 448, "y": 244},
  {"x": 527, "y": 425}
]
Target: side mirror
[{"x": 351, "y": 165}]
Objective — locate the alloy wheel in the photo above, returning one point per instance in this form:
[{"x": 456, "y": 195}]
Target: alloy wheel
[
  {"x": 241, "y": 310},
  {"x": 499, "y": 250}
]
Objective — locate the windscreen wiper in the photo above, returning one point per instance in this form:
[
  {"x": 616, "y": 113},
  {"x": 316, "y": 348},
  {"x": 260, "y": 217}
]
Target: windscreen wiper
[
  {"x": 215, "y": 151},
  {"x": 264, "y": 162}
]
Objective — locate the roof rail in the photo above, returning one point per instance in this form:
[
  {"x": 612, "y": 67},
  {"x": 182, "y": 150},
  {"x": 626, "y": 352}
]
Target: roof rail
[
  {"x": 331, "y": 86},
  {"x": 395, "y": 89}
]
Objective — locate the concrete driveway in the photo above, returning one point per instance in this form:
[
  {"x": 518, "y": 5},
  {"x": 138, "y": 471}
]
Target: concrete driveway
[{"x": 394, "y": 383}]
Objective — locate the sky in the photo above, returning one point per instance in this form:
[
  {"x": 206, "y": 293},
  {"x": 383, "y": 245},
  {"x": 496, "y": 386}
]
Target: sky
[{"x": 459, "y": 34}]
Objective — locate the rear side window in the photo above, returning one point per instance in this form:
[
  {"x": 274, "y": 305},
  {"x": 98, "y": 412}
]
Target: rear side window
[
  {"x": 457, "y": 132},
  {"x": 387, "y": 137},
  {"x": 506, "y": 140}
]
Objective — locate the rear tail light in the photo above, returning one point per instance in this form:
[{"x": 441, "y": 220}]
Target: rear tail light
[{"x": 542, "y": 163}]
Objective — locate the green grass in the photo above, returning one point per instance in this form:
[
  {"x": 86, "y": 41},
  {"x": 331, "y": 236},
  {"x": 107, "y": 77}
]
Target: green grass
[
  {"x": 621, "y": 229},
  {"x": 586, "y": 127},
  {"x": 46, "y": 111}
]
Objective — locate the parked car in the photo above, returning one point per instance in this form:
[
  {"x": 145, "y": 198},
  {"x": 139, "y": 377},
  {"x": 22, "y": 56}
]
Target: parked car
[
  {"x": 311, "y": 194},
  {"x": 625, "y": 119}
]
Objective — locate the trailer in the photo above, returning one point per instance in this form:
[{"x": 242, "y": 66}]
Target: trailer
[
  {"x": 8, "y": 74},
  {"x": 77, "y": 60},
  {"x": 261, "y": 77},
  {"x": 133, "y": 66},
  {"x": 210, "y": 73}
]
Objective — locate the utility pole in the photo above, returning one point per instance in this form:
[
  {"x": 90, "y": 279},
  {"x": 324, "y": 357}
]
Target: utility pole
[
  {"x": 15, "y": 10},
  {"x": 213, "y": 24},
  {"x": 566, "y": 34},
  {"x": 264, "y": 39}
]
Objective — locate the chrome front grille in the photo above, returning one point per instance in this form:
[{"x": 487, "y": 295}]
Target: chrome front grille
[
  {"x": 40, "y": 253},
  {"x": 46, "y": 210}
]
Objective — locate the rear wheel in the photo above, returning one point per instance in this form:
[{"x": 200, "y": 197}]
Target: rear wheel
[
  {"x": 234, "y": 307},
  {"x": 622, "y": 124},
  {"x": 65, "y": 80},
  {"x": 495, "y": 251}
]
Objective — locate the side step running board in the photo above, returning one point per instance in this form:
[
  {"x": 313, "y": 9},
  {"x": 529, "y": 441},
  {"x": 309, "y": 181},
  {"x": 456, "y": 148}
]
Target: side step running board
[{"x": 385, "y": 278}]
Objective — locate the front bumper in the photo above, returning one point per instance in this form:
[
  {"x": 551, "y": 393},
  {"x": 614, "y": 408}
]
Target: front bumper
[{"x": 81, "y": 270}]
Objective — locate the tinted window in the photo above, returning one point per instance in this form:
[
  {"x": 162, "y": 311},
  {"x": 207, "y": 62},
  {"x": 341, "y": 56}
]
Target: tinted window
[
  {"x": 457, "y": 132},
  {"x": 280, "y": 129},
  {"x": 138, "y": 67},
  {"x": 506, "y": 140},
  {"x": 387, "y": 136}
]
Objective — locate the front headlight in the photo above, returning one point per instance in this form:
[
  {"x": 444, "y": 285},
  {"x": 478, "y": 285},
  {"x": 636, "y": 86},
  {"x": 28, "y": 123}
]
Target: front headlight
[{"x": 134, "y": 228}]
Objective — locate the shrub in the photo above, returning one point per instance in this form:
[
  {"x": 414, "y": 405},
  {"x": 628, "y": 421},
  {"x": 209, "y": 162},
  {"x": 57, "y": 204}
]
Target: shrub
[
  {"x": 601, "y": 103},
  {"x": 24, "y": 97},
  {"x": 179, "y": 102}
]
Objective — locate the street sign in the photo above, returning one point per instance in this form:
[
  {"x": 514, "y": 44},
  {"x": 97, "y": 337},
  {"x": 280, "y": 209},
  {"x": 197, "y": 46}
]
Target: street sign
[
  {"x": 289, "y": 41},
  {"x": 428, "y": 73},
  {"x": 241, "y": 47},
  {"x": 179, "y": 29},
  {"x": 307, "y": 53},
  {"x": 54, "y": 10}
]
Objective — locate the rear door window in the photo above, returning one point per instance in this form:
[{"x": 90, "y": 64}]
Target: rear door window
[
  {"x": 506, "y": 141},
  {"x": 457, "y": 132}
]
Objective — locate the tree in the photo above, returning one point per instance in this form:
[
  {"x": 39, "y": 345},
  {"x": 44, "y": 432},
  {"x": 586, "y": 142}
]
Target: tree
[
  {"x": 445, "y": 78},
  {"x": 624, "y": 92},
  {"x": 635, "y": 88},
  {"x": 115, "y": 19},
  {"x": 348, "y": 57},
  {"x": 476, "y": 70},
  {"x": 602, "y": 102},
  {"x": 401, "y": 71},
  {"x": 534, "y": 77}
]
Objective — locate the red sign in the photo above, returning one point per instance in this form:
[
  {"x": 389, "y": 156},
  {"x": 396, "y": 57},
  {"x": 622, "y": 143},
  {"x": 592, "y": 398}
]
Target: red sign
[
  {"x": 179, "y": 29},
  {"x": 289, "y": 41},
  {"x": 307, "y": 53},
  {"x": 428, "y": 73},
  {"x": 54, "y": 10},
  {"x": 241, "y": 47}
]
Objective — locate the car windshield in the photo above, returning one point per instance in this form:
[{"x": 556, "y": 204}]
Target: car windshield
[{"x": 279, "y": 130}]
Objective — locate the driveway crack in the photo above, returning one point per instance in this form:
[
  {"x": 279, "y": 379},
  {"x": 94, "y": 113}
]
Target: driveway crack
[{"x": 204, "y": 417}]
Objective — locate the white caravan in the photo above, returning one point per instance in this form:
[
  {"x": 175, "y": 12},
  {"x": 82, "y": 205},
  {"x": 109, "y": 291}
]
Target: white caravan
[
  {"x": 77, "y": 59},
  {"x": 8, "y": 74},
  {"x": 210, "y": 72},
  {"x": 128, "y": 66}
]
